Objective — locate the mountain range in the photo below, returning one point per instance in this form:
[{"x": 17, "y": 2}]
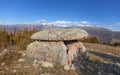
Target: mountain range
[{"x": 104, "y": 35}]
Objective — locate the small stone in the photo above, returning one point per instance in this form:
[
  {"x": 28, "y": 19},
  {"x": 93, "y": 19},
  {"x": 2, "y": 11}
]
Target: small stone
[
  {"x": 35, "y": 65},
  {"x": 47, "y": 64},
  {"x": 108, "y": 53},
  {"x": 14, "y": 71},
  {"x": 35, "y": 61},
  {"x": 1, "y": 71},
  {"x": 45, "y": 74},
  {"x": 72, "y": 67},
  {"x": 3, "y": 64},
  {"x": 67, "y": 67},
  {"x": 21, "y": 60},
  {"x": 118, "y": 64},
  {"x": 26, "y": 66},
  {"x": 99, "y": 73},
  {"x": 23, "y": 54},
  {"x": 92, "y": 50},
  {"x": 6, "y": 68}
]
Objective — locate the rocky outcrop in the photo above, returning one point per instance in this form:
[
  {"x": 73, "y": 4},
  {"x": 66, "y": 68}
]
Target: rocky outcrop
[
  {"x": 59, "y": 46},
  {"x": 48, "y": 51}
]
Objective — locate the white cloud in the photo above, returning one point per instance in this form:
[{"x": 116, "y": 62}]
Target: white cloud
[
  {"x": 117, "y": 23},
  {"x": 41, "y": 21},
  {"x": 61, "y": 23},
  {"x": 69, "y": 23},
  {"x": 85, "y": 22},
  {"x": 65, "y": 23}
]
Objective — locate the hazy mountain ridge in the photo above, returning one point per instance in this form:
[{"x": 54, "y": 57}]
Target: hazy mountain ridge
[{"x": 103, "y": 34}]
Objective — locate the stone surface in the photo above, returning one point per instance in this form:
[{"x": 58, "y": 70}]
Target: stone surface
[
  {"x": 118, "y": 64},
  {"x": 76, "y": 53},
  {"x": 60, "y": 46},
  {"x": 26, "y": 66},
  {"x": 48, "y": 51},
  {"x": 21, "y": 60},
  {"x": 60, "y": 34},
  {"x": 47, "y": 64},
  {"x": 67, "y": 67},
  {"x": 35, "y": 65},
  {"x": 4, "y": 52},
  {"x": 3, "y": 64}
]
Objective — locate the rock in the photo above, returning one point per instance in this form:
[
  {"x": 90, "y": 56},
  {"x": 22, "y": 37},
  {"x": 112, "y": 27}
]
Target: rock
[
  {"x": 23, "y": 54},
  {"x": 48, "y": 51},
  {"x": 21, "y": 60},
  {"x": 6, "y": 68},
  {"x": 4, "y": 52},
  {"x": 2, "y": 72},
  {"x": 3, "y": 64},
  {"x": 108, "y": 53},
  {"x": 14, "y": 71},
  {"x": 72, "y": 67},
  {"x": 26, "y": 66},
  {"x": 67, "y": 67},
  {"x": 92, "y": 50},
  {"x": 76, "y": 53},
  {"x": 60, "y": 34},
  {"x": 99, "y": 73},
  {"x": 117, "y": 64},
  {"x": 35, "y": 61},
  {"x": 35, "y": 65},
  {"x": 86, "y": 56},
  {"x": 47, "y": 64},
  {"x": 45, "y": 74},
  {"x": 53, "y": 46}
]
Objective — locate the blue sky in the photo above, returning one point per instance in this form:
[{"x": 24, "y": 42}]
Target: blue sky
[{"x": 104, "y": 13}]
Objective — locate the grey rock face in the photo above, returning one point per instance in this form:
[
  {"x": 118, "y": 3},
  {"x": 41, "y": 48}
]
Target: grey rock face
[
  {"x": 60, "y": 34},
  {"x": 48, "y": 51}
]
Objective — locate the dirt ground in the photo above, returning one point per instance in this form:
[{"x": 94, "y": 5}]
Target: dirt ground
[{"x": 104, "y": 60}]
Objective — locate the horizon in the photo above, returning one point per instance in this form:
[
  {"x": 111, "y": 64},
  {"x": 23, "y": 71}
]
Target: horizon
[{"x": 100, "y": 13}]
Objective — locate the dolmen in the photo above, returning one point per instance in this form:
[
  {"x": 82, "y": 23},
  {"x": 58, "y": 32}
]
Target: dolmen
[{"x": 59, "y": 46}]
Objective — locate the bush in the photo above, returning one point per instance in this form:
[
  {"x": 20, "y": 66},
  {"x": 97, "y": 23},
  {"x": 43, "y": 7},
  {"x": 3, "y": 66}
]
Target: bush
[{"x": 14, "y": 41}]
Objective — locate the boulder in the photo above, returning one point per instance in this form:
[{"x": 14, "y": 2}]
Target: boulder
[
  {"x": 48, "y": 51},
  {"x": 47, "y": 64},
  {"x": 60, "y": 34},
  {"x": 60, "y": 46},
  {"x": 76, "y": 53}
]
